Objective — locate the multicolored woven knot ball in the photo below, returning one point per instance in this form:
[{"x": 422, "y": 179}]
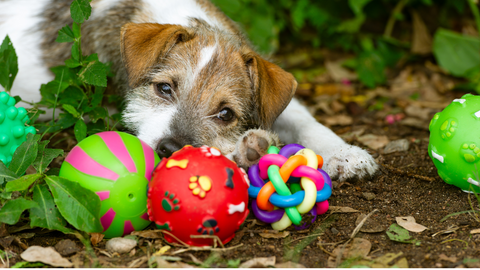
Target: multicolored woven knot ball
[
  {"x": 117, "y": 166},
  {"x": 284, "y": 197},
  {"x": 198, "y": 195},
  {"x": 13, "y": 131},
  {"x": 454, "y": 144}
]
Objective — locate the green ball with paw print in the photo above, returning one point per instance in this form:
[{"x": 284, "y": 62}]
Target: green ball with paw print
[{"x": 454, "y": 143}]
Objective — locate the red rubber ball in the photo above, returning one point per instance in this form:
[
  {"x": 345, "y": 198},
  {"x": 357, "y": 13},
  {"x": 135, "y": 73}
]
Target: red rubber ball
[{"x": 198, "y": 194}]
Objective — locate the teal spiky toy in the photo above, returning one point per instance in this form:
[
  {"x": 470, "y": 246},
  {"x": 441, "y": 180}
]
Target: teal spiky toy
[{"x": 13, "y": 131}]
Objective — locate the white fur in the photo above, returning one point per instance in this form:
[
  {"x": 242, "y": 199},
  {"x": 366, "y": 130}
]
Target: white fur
[
  {"x": 177, "y": 12},
  {"x": 206, "y": 55},
  {"x": 151, "y": 123},
  {"x": 297, "y": 125},
  {"x": 20, "y": 20}
]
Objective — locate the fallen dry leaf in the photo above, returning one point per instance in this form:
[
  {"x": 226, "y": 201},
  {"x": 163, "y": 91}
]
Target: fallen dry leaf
[
  {"x": 421, "y": 38},
  {"x": 475, "y": 231},
  {"x": 96, "y": 238},
  {"x": 358, "y": 248},
  {"x": 275, "y": 235},
  {"x": 340, "y": 120},
  {"x": 396, "y": 146},
  {"x": 289, "y": 265},
  {"x": 149, "y": 234},
  {"x": 341, "y": 209},
  {"x": 415, "y": 122},
  {"x": 259, "y": 262},
  {"x": 46, "y": 255},
  {"x": 338, "y": 72},
  {"x": 161, "y": 263},
  {"x": 374, "y": 141},
  {"x": 409, "y": 224},
  {"x": 443, "y": 257}
]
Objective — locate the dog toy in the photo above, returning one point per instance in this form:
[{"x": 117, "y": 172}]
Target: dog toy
[
  {"x": 454, "y": 144},
  {"x": 275, "y": 202},
  {"x": 117, "y": 166},
  {"x": 13, "y": 131},
  {"x": 198, "y": 194}
]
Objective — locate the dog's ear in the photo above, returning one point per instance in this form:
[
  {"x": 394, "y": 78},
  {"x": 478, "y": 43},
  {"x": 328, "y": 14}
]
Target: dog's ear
[
  {"x": 273, "y": 88},
  {"x": 144, "y": 44}
]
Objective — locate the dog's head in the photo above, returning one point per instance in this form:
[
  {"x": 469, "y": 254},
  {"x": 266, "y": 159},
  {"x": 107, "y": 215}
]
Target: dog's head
[{"x": 198, "y": 85}]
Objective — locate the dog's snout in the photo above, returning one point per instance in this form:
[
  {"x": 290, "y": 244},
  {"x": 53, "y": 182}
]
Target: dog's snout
[{"x": 167, "y": 147}]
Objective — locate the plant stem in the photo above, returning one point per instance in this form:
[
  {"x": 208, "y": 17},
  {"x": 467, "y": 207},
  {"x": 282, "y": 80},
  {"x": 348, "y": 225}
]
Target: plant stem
[
  {"x": 56, "y": 97},
  {"x": 391, "y": 20},
  {"x": 476, "y": 13}
]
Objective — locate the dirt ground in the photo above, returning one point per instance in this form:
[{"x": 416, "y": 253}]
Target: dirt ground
[{"x": 406, "y": 184}]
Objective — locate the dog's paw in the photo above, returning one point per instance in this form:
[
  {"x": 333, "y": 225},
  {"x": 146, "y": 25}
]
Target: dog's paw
[
  {"x": 252, "y": 146},
  {"x": 348, "y": 162}
]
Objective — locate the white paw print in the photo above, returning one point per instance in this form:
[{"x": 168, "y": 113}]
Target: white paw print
[{"x": 210, "y": 151}]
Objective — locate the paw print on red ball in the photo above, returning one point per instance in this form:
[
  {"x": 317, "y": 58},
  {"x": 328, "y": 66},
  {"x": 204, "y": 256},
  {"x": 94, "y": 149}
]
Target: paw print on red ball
[
  {"x": 209, "y": 226},
  {"x": 210, "y": 151}
]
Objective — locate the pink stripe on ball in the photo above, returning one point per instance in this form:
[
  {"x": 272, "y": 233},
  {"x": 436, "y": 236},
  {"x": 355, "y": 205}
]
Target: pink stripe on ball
[
  {"x": 114, "y": 142},
  {"x": 145, "y": 216},
  {"x": 128, "y": 227},
  {"x": 103, "y": 195},
  {"x": 84, "y": 163},
  {"x": 149, "y": 160},
  {"x": 107, "y": 219}
]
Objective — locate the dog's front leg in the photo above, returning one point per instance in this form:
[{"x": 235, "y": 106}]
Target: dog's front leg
[
  {"x": 252, "y": 146},
  {"x": 297, "y": 125}
]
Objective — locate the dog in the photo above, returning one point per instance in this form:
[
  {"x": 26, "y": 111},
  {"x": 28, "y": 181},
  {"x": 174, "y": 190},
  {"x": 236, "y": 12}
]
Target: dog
[{"x": 188, "y": 74}]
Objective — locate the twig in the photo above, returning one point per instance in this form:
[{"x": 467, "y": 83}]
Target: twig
[
  {"x": 360, "y": 225},
  {"x": 330, "y": 244},
  {"x": 317, "y": 234},
  {"x": 136, "y": 263},
  {"x": 450, "y": 240},
  {"x": 396, "y": 170},
  {"x": 324, "y": 250},
  {"x": 214, "y": 237},
  {"x": 354, "y": 233},
  {"x": 205, "y": 248}
]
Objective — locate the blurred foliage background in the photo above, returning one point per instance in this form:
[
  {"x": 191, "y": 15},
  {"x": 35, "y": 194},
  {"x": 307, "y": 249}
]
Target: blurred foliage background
[{"x": 379, "y": 33}]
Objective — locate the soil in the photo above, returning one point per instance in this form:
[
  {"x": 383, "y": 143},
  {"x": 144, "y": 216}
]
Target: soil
[{"x": 406, "y": 184}]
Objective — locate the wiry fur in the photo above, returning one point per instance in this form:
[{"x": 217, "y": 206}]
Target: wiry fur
[{"x": 192, "y": 46}]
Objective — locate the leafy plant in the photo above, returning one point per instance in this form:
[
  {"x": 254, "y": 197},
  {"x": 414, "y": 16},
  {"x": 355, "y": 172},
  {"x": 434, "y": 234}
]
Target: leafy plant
[{"x": 78, "y": 89}]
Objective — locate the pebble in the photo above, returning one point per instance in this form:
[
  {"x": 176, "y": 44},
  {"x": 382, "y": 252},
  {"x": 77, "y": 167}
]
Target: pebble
[
  {"x": 368, "y": 196},
  {"x": 396, "y": 146},
  {"x": 334, "y": 231},
  {"x": 120, "y": 245},
  {"x": 66, "y": 247}
]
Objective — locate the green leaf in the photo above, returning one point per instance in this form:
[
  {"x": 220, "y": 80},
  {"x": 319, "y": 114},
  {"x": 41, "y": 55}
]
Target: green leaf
[
  {"x": 72, "y": 63},
  {"x": 94, "y": 73},
  {"x": 25, "y": 154},
  {"x": 98, "y": 113},
  {"x": 11, "y": 211},
  {"x": 45, "y": 156},
  {"x": 399, "y": 234},
  {"x": 46, "y": 215},
  {"x": 80, "y": 130},
  {"x": 6, "y": 174},
  {"x": 22, "y": 183},
  {"x": 71, "y": 110},
  {"x": 29, "y": 265},
  {"x": 357, "y": 5},
  {"x": 8, "y": 64},
  {"x": 456, "y": 53},
  {"x": 371, "y": 68},
  {"x": 78, "y": 205},
  {"x": 65, "y": 35},
  {"x": 80, "y": 10},
  {"x": 76, "y": 30}
]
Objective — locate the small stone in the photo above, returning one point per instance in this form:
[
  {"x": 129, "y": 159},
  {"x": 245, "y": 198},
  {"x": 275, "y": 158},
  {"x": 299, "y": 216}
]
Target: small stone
[
  {"x": 334, "y": 184},
  {"x": 334, "y": 231},
  {"x": 66, "y": 247},
  {"x": 120, "y": 245},
  {"x": 396, "y": 146},
  {"x": 368, "y": 196}
]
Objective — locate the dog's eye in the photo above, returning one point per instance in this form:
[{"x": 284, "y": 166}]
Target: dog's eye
[
  {"x": 164, "y": 89},
  {"x": 225, "y": 114}
]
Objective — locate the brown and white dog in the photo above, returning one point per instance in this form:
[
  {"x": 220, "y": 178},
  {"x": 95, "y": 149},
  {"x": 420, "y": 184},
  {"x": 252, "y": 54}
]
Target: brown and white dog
[{"x": 188, "y": 74}]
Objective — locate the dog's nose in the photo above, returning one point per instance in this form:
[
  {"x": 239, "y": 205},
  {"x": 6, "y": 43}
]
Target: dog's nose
[{"x": 167, "y": 147}]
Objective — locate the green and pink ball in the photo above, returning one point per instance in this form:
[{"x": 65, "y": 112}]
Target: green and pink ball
[{"x": 117, "y": 166}]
